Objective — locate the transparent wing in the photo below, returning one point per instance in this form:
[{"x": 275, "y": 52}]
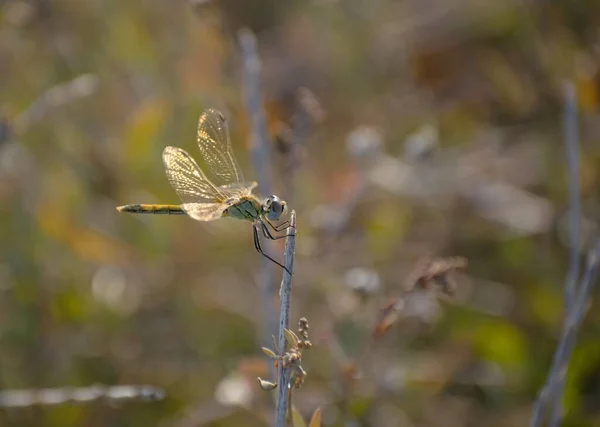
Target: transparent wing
[
  {"x": 188, "y": 180},
  {"x": 204, "y": 211},
  {"x": 240, "y": 189},
  {"x": 215, "y": 149}
]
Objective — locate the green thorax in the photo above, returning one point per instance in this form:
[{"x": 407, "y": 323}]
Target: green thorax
[{"x": 247, "y": 207}]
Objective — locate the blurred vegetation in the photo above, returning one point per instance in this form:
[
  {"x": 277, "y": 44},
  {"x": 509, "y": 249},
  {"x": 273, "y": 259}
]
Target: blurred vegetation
[{"x": 434, "y": 129}]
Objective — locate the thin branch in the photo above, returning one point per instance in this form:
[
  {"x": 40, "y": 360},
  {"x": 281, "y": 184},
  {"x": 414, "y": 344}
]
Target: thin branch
[
  {"x": 573, "y": 323},
  {"x": 571, "y": 147},
  {"x": 308, "y": 114},
  {"x": 576, "y": 297},
  {"x": 57, "y": 96},
  {"x": 61, "y": 395},
  {"x": 567, "y": 340},
  {"x": 285, "y": 295},
  {"x": 260, "y": 145}
]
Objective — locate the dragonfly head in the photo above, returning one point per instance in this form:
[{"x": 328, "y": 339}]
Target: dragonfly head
[{"x": 274, "y": 207}]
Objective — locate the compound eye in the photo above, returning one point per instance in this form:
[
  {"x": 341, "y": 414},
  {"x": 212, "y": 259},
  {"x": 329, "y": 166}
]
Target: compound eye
[{"x": 276, "y": 207}]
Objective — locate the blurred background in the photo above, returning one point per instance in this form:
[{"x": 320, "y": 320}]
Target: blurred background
[{"x": 400, "y": 130}]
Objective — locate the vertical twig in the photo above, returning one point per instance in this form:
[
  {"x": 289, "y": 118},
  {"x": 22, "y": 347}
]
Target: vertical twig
[
  {"x": 572, "y": 325},
  {"x": 299, "y": 134},
  {"x": 571, "y": 147},
  {"x": 567, "y": 340},
  {"x": 260, "y": 146},
  {"x": 285, "y": 295},
  {"x": 576, "y": 297},
  {"x": 260, "y": 143}
]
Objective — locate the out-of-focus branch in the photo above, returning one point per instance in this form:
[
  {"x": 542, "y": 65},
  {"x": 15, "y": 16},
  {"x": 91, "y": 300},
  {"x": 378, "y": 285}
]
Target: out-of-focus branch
[
  {"x": 285, "y": 295},
  {"x": 260, "y": 146},
  {"x": 571, "y": 147},
  {"x": 576, "y": 297},
  {"x": 56, "y": 96},
  {"x": 292, "y": 141},
  {"x": 572, "y": 322},
  {"x": 58, "y": 396},
  {"x": 260, "y": 142}
]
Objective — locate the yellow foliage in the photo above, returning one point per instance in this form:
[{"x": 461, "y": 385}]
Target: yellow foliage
[
  {"x": 87, "y": 244},
  {"x": 500, "y": 342},
  {"x": 145, "y": 124}
]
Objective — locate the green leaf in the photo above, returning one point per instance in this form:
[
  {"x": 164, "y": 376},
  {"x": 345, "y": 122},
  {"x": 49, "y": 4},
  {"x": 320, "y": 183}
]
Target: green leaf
[
  {"x": 291, "y": 338},
  {"x": 297, "y": 420},
  {"x": 269, "y": 352}
]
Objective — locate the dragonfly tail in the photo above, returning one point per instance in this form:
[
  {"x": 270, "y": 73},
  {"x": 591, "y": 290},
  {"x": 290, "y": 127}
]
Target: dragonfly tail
[{"x": 152, "y": 209}]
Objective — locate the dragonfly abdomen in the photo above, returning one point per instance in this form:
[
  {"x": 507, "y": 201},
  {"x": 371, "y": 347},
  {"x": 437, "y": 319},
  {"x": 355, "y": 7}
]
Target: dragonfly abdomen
[{"x": 153, "y": 209}]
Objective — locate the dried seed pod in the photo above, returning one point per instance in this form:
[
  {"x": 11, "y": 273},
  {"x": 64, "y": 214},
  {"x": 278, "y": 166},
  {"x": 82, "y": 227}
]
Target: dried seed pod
[{"x": 266, "y": 385}]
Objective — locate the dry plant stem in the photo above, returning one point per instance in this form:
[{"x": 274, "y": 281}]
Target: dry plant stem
[
  {"x": 54, "y": 97},
  {"x": 260, "y": 146},
  {"x": 555, "y": 380},
  {"x": 285, "y": 295},
  {"x": 261, "y": 141},
  {"x": 57, "y": 396},
  {"x": 571, "y": 147},
  {"x": 300, "y": 135},
  {"x": 576, "y": 297}
]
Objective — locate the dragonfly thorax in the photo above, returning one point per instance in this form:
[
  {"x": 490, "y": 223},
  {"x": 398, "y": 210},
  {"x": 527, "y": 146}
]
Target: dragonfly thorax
[{"x": 273, "y": 207}]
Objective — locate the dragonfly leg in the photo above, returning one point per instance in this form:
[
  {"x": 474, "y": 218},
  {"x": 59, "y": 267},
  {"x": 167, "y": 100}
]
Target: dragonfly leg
[
  {"x": 281, "y": 226},
  {"x": 259, "y": 249},
  {"x": 268, "y": 235},
  {"x": 278, "y": 227}
]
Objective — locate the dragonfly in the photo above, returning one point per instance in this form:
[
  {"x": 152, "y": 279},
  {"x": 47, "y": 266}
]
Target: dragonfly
[{"x": 219, "y": 191}]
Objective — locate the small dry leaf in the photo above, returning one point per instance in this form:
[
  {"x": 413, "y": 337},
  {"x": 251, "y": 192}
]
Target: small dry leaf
[
  {"x": 291, "y": 338},
  {"x": 269, "y": 352},
  {"x": 389, "y": 314},
  {"x": 298, "y": 377},
  {"x": 428, "y": 273},
  {"x": 266, "y": 385},
  {"x": 316, "y": 418},
  {"x": 436, "y": 271}
]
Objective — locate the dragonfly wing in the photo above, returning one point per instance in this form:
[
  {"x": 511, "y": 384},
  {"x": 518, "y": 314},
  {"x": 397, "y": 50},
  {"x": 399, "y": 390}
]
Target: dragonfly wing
[
  {"x": 204, "y": 211},
  {"x": 187, "y": 179},
  {"x": 215, "y": 149},
  {"x": 239, "y": 189}
]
